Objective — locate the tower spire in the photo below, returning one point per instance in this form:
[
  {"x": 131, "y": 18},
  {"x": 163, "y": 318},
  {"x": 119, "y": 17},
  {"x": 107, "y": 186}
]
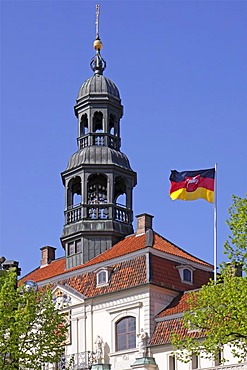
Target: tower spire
[
  {"x": 97, "y": 20},
  {"x": 97, "y": 64},
  {"x": 98, "y": 180}
]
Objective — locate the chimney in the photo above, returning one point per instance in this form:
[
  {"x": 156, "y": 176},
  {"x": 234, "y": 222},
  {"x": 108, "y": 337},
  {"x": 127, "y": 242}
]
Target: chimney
[
  {"x": 12, "y": 265},
  {"x": 47, "y": 255},
  {"x": 143, "y": 223}
]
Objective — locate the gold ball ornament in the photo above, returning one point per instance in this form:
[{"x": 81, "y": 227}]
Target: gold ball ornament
[{"x": 97, "y": 44}]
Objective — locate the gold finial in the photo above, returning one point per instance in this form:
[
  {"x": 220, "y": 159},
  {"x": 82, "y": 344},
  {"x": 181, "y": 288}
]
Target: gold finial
[{"x": 97, "y": 43}]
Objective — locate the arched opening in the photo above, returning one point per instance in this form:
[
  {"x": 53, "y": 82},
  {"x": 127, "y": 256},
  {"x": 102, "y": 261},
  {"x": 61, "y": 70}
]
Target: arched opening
[
  {"x": 97, "y": 195},
  {"x": 112, "y": 128},
  {"x": 120, "y": 191},
  {"x": 74, "y": 192},
  {"x": 98, "y": 122},
  {"x": 84, "y": 125},
  {"x": 126, "y": 333},
  {"x": 98, "y": 138}
]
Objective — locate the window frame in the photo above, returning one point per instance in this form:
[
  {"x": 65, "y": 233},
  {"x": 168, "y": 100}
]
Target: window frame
[
  {"x": 128, "y": 335},
  {"x": 181, "y": 269},
  {"x": 107, "y": 271},
  {"x": 194, "y": 361},
  {"x": 72, "y": 247},
  {"x": 171, "y": 362}
]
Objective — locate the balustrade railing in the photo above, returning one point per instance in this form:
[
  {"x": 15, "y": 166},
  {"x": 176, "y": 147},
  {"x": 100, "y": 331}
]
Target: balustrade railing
[
  {"x": 99, "y": 139},
  {"x": 98, "y": 211},
  {"x": 121, "y": 214},
  {"x": 74, "y": 214},
  {"x": 76, "y": 361}
]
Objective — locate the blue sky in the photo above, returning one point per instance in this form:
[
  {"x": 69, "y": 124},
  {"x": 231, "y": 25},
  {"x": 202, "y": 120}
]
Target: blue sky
[{"x": 181, "y": 68}]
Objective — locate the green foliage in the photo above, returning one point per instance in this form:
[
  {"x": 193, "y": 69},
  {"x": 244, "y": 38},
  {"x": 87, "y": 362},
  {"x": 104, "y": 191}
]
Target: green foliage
[
  {"x": 236, "y": 245},
  {"x": 31, "y": 329},
  {"x": 218, "y": 312}
]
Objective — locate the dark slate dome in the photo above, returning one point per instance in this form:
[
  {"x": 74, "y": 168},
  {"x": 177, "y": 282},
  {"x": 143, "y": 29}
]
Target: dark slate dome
[
  {"x": 98, "y": 155},
  {"x": 98, "y": 84}
]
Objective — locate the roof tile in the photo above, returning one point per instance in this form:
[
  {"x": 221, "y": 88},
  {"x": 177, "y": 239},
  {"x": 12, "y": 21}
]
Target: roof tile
[{"x": 126, "y": 246}]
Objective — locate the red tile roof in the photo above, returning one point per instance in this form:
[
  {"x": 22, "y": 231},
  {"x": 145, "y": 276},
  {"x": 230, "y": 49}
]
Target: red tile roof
[
  {"x": 165, "y": 272},
  {"x": 164, "y": 329},
  {"x": 130, "y": 244},
  {"x": 163, "y": 332},
  {"x": 124, "y": 275},
  {"x": 178, "y": 305},
  {"x": 164, "y": 245}
]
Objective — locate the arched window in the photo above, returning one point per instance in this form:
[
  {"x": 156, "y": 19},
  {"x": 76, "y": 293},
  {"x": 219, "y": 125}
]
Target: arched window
[
  {"x": 126, "y": 333},
  {"x": 84, "y": 125},
  {"x": 74, "y": 192},
  {"x": 187, "y": 275},
  {"x": 101, "y": 277}
]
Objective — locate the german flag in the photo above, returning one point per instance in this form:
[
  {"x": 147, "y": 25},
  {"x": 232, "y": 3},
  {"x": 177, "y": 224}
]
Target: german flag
[{"x": 192, "y": 185}]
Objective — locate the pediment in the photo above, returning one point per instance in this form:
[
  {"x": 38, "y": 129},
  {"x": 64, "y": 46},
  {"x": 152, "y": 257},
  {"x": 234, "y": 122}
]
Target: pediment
[{"x": 65, "y": 297}]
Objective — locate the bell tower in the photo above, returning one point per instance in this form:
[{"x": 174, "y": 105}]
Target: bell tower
[{"x": 98, "y": 179}]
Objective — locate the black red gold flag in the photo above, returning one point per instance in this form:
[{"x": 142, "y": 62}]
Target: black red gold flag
[{"x": 192, "y": 185}]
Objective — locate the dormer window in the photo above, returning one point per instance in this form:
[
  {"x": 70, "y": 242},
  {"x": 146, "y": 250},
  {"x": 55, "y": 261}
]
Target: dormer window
[
  {"x": 186, "y": 273},
  {"x": 103, "y": 276}
]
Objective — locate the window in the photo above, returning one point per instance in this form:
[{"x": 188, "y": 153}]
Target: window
[
  {"x": 218, "y": 358},
  {"x": 74, "y": 247},
  {"x": 78, "y": 247},
  {"x": 71, "y": 248},
  {"x": 187, "y": 275},
  {"x": 126, "y": 333},
  {"x": 171, "y": 362},
  {"x": 194, "y": 362},
  {"x": 101, "y": 277}
]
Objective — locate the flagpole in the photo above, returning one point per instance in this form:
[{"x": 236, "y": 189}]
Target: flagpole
[{"x": 215, "y": 224}]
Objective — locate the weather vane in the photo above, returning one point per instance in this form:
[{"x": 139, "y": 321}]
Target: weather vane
[{"x": 97, "y": 20}]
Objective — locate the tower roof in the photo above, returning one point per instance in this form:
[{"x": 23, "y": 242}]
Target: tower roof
[
  {"x": 98, "y": 155},
  {"x": 98, "y": 84}
]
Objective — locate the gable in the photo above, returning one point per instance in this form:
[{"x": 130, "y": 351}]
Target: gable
[{"x": 65, "y": 297}]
